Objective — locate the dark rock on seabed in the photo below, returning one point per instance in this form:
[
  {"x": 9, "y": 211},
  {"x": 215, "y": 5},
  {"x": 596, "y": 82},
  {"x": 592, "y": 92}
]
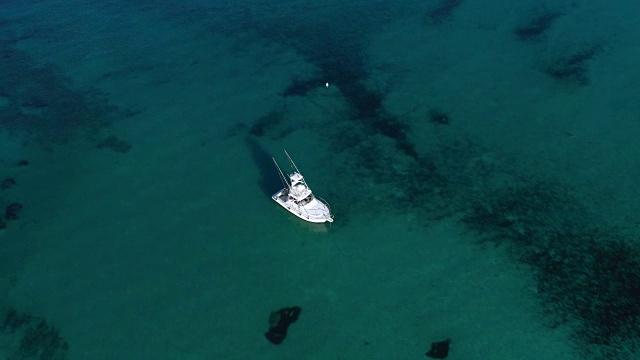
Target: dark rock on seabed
[
  {"x": 8, "y": 183},
  {"x": 12, "y": 210},
  {"x": 439, "y": 350},
  {"x": 114, "y": 143},
  {"x": 279, "y": 322}
]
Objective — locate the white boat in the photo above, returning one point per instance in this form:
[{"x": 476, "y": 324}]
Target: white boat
[{"x": 296, "y": 196}]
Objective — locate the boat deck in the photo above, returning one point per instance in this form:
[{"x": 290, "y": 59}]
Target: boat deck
[{"x": 314, "y": 211}]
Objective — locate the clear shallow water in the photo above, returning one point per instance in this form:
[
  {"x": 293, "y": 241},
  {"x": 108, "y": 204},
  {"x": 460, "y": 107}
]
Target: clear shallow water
[{"x": 146, "y": 228}]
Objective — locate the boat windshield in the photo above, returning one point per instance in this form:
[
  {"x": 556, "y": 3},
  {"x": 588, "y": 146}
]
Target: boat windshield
[{"x": 306, "y": 200}]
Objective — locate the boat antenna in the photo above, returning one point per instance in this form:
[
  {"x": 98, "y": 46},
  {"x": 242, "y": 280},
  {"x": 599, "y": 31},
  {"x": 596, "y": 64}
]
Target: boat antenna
[{"x": 282, "y": 178}]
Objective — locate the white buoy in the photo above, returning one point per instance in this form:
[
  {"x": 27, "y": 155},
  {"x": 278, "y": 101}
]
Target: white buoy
[{"x": 326, "y": 85}]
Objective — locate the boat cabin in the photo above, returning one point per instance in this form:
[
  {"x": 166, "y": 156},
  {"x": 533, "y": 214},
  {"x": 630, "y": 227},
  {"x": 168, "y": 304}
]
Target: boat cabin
[{"x": 299, "y": 189}]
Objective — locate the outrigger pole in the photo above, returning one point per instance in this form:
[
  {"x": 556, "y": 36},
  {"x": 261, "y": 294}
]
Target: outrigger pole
[
  {"x": 282, "y": 178},
  {"x": 292, "y": 163},
  {"x": 296, "y": 168}
]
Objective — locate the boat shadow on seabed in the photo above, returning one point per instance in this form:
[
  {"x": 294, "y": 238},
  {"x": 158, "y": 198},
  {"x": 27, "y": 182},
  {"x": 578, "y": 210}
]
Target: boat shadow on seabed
[{"x": 263, "y": 161}]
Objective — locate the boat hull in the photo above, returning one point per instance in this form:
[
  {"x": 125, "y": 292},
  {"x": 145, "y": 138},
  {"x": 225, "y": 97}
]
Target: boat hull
[{"x": 315, "y": 211}]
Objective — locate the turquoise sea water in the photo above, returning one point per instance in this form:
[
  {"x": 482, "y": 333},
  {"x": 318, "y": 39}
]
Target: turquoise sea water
[{"x": 480, "y": 159}]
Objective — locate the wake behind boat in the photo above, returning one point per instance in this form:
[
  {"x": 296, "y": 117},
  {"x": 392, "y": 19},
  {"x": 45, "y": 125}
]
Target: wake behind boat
[{"x": 296, "y": 196}]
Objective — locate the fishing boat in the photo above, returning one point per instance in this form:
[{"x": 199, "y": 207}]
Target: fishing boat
[{"x": 297, "y": 198}]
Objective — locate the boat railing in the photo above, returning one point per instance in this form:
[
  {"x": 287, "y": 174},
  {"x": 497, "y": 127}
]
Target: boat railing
[{"x": 327, "y": 205}]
